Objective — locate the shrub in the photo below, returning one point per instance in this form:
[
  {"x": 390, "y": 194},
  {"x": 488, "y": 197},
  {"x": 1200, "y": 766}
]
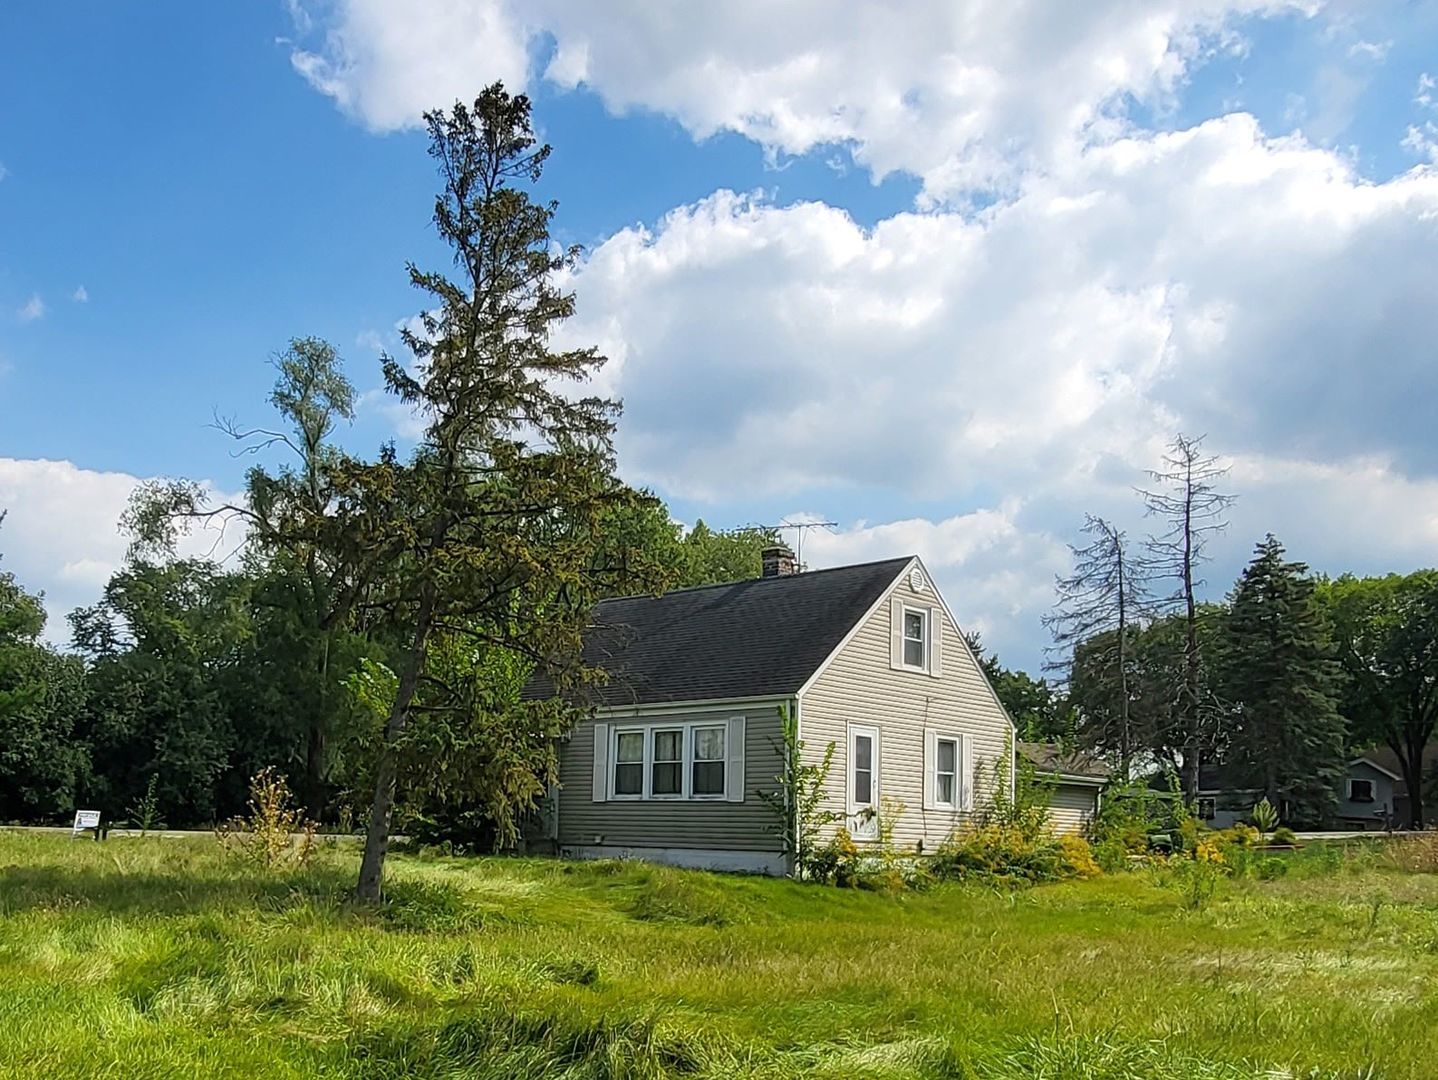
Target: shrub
[
  {"x": 1284, "y": 835},
  {"x": 1264, "y": 816},
  {"x": 837, "y": 862},
  {"x": 1111, "y": 854},
  {"x": 1078, "y": 857},
  {"x": 1240, "y": 835},
  {"x": 1003, "y": 854},
  {"x": 274, "y": 833}
]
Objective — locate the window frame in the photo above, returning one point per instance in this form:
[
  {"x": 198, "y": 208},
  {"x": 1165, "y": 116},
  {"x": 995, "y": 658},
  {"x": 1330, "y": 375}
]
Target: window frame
[
  {"x": 692, "y": 746},
  {"x": 956, "y": 741},
  {"x": 1372, "y": 796},
  {"x": 853, "y": 807},
  {"x": 687, "y": 759},
  {"x": 652, "y": 760},
  {"x": 614, "y": 736},
  {"x": 1205, "y": 802},
  {"x": 925, "y": 641}
]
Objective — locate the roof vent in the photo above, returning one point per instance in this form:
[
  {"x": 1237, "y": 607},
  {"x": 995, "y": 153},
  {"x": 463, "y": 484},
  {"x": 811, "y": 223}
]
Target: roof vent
[{"x": 779, "y": 561}]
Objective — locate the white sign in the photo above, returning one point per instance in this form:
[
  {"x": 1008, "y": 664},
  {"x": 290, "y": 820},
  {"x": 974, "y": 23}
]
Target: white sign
[{"x": 85, "y": 819}]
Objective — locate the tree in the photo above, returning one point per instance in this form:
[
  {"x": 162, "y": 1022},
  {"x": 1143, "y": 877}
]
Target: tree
[
  {"x": 1099, "y": 605},
  {"x": 1281, "y": 678},
  {"x": 1386, "y": 631},
  {"x": 1193, "y": 511},
  {"x": 1040, "y": 711},
  {"x": 712, "y": 558},
  {"x": 489, "y": 536},
  {"x": 40, "y": 697}
]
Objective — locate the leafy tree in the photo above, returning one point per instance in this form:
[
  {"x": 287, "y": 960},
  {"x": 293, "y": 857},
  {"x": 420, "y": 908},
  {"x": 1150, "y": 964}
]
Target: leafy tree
[
  {"x": 165, "y": 646},
  {"x": 1041, "y": 712},
  {"x": 490, "y": 536},
  {"x": 40, "y": 697},
  {"x": 1099, "y": 605},
  {"x": 1386, "y": 630},
  {"x": 1280, "y": 675},
  {"x": 712, "y": 558},
  {"x": 1193, "y": 511}
]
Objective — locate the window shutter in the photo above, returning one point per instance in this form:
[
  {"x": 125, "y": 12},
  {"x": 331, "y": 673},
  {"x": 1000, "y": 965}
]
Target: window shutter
[
  {"x": 601, "y": 763},
  {"x": 936, "y": 641},
  {"x": 931, "y": 764},
  {"x": 896, "y": 633},
  {"x": 966, "y": 752},
  {"x": 734, "y": 767}
]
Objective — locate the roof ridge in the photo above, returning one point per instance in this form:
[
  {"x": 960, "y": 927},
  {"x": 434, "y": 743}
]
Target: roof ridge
[{"x": 751, "y": 581}]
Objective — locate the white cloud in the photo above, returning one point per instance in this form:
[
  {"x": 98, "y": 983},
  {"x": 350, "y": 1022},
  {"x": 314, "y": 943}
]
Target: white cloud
[
  {"x": 32, "y": 309},
  {"x": 81, "y": 295},
  {"x": 964, "y": 96},
  {"x": 61, "y": 533}
]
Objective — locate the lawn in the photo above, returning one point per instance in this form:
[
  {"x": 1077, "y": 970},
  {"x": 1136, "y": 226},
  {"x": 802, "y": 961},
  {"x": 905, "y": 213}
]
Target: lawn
[{"x": 164, "y": 958}]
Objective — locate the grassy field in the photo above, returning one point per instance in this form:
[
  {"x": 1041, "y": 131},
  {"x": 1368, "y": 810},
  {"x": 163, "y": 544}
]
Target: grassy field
[{"x": 159, "y": 958}]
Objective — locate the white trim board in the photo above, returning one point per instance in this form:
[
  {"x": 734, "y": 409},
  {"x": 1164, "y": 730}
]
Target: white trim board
[{"x": 612, "y": 712}]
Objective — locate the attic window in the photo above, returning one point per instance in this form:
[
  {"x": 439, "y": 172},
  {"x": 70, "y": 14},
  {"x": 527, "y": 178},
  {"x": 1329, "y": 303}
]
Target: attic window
[{"x": 916, "y": 638}]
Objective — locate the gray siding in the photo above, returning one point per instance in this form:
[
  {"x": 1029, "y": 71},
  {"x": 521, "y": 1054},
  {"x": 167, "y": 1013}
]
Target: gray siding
[
  {"x": 859, "y": 687},
  {"x": 692, "y": 824},
  {"x": 1071, "y": 807},
  {"x": 1383, "y": 795}
]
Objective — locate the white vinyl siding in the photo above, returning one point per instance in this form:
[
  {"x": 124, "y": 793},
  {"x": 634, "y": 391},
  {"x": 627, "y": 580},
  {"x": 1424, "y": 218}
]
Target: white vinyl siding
[
  {"x": 866, "y": 684},
  {"x": 1072, "y": 807},
  {"x": 916, "y": 637}
]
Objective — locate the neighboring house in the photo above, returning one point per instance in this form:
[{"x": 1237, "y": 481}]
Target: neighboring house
[
  {"x": 686, "y": 733},
  {"x": 1371, "y": 795},
  {"x": 1076, "y": 782}
]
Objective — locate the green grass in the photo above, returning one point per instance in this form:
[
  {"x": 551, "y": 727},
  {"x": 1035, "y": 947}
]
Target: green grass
[{"x": 160, "y": 958}]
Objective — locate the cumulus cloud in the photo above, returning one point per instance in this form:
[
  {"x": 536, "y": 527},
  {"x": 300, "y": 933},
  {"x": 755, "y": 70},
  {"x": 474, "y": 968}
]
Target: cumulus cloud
[
  {"x": 81, "y": 295},
  {"x": 61, "y": 533},
  {"x": 32, "y": 309},
  {"x": 963, "y": 96}
]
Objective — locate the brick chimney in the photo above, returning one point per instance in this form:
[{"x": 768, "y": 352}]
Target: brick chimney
[{"x": 779, "y": 561}]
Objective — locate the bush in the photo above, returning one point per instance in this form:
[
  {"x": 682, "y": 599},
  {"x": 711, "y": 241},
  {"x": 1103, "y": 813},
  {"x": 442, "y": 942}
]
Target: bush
[
  {"x": 274, "y": 833},
  {"x": 1002, "y": 854},
  {"x": 1284, "y": 835},
  {"x": 1111, "y": 854},
  {"x": 837, "y": 862},
  {"x": 1078, "y": 857}
]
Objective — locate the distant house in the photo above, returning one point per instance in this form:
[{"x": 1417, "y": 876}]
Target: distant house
[
  {"x": 1075, "y": 780},
  {"x": 685, "y": 737},
  {"x": 1371, "y": 795}
]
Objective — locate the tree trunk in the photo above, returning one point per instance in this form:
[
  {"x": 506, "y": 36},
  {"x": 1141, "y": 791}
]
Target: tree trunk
[
  {"x": 370, "y": 888},
  {"x": 316, "y": 793},
  {"x": 1411, "y": 766}
]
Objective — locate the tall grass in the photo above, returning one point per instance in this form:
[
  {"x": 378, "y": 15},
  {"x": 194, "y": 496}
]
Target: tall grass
[{"x": 161, "y": 958}]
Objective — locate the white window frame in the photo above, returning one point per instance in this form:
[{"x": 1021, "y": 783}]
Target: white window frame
[
  {"x": 651, "y": 760},
  {"x": 926, "y": 642},
  {"x": 957, "y": 742},
  {"x": 855, "y": 809},
  {"x": 614, "y": 764},
  {"x": 690, "y": 740},
  {"x": 686, "y": 791},
  {"x": 1372, "y": 789}
]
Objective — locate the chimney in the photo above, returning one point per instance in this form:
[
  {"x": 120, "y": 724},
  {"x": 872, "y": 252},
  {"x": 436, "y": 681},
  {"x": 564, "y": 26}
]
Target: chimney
[{"x": 779, "y": 561}]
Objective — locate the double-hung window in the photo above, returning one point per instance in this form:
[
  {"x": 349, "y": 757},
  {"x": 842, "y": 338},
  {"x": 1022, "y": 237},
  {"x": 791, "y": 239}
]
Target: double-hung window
[
  {"x": 667, "y": 773},
  {"x": 708, "y": 761},
  {"x": 629, "y": 764},
  {"x": 946, "y": 772},
  {"x": 696, "y": 759},
  {"x": 1360, "y": 790},
  {"x": 916, "y": 638}
]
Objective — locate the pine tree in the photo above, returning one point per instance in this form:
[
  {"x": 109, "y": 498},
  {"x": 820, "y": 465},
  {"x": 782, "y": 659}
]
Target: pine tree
[{"x": 1280, "y": 674}]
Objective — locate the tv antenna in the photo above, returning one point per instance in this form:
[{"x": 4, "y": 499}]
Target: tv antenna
[{"x": 799, "y": 528}]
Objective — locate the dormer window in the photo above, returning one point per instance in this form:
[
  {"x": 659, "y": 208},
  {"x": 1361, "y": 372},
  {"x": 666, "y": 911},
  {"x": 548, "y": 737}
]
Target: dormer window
[{"x": 916, "y": 638}]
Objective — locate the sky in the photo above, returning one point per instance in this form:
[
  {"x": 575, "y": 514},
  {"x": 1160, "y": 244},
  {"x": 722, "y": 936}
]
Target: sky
[{"x": 948, "y": 274}]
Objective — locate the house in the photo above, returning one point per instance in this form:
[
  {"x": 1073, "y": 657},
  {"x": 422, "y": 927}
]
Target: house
[
  {"x": 1373, "y": 792},
  {"x": 1075, "y": 781},
  {"x": 1371, "y": 795},
  {"x": 685, "y": 737}
]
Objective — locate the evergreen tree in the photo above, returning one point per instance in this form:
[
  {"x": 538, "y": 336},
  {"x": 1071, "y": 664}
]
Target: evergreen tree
[{"x": 1280, "y": 675}]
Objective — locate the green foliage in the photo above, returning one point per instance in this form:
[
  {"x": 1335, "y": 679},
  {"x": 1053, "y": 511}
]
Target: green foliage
[
  {"x": 1041, "y": 712},
  {"x": 1386, "y": 631},
  {"x": 1278, "y": 670},
  {"x": 1264, "y": 816},
  {"x": 709, "y": 557},
  {"x": 1284, "y": 835},
  {"x": 798, "y": 800},
  {"x": 145, "y": 814}
]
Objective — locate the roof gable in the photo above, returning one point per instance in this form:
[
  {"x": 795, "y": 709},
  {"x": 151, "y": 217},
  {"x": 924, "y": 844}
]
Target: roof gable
[{"x": 758, "y": 638}]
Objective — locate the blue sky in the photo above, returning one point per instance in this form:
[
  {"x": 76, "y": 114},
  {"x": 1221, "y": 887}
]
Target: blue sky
[{"x": 967, "y": 287}]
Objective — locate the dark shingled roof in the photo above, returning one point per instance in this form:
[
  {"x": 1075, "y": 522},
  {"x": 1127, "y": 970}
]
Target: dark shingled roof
[
  {"x": 1052, "y": 758},
  {"x": 757, "y": 638}
]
